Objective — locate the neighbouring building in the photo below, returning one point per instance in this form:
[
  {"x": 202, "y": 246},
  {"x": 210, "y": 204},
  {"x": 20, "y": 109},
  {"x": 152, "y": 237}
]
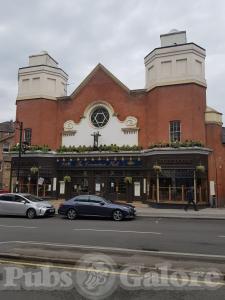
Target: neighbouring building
[
  {"x": 6, "y": 142},
  {"x": 148, "y": 144}
]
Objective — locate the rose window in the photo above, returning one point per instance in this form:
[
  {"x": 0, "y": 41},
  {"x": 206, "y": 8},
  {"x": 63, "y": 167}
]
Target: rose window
[{"x": 99, "y": 117}]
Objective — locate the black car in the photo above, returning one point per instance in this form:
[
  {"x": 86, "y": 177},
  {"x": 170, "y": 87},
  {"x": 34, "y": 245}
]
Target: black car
[{"x": 91, "y": 205}]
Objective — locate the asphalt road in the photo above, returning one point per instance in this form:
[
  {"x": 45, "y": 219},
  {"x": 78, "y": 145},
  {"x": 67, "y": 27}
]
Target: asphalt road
[
  {"x": 119, "y": 294},
  {"x": 171, "y": 235},
  {"x": 21, "y": 286},
  {"x": 158, "y": 234}
]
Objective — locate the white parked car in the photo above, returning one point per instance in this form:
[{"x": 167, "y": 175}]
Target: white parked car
[{"x": 24, "y": 205}]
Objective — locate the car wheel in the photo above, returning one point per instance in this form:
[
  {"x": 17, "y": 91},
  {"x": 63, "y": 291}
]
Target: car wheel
[
  {"x": 117, "y": 215},
  {"x": 31, "y": 213},
  {"x": 71, "y": 214}
]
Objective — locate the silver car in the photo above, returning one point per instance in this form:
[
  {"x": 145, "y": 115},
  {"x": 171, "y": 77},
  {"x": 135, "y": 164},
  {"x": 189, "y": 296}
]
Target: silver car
[{"x": 24, "y": 205}]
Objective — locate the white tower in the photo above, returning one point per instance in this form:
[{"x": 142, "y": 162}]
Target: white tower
[
  {"x": 41, "y": 79},
  {"x": 175, "y": 62}
]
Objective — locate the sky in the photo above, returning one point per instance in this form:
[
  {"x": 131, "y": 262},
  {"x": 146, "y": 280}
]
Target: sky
[{"x": 119, "y": 34}]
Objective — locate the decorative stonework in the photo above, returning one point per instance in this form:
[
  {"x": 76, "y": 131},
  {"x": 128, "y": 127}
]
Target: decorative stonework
[
  {"x": 69, "y": 133},
  {"x": 69, "y": 125},
  {"x": 99, "y": 116},
  {"x": 130, "y": 130},
  {"x": 111, "y": 129},
  {"x": 130, "y": 125},
  {"x": 131, "y": 122},
  {"x": 69, "y": 128}
]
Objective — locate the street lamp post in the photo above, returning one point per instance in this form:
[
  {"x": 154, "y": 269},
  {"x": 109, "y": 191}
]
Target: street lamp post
[
  {"x": 20, "y": 154},
  {"x": 157, "y": 168},
  {"x": 29, "y": 179},
  {"x": 195, "y": 188}
]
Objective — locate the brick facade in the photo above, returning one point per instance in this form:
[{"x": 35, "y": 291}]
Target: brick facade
[
  {"x": 175, "y": 90},
  {"x": 216, "y": 160},
  {"x": 154, "y": 110}
]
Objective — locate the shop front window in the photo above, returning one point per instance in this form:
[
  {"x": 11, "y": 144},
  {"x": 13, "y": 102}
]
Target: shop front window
[{"x": 81, "y": 186}]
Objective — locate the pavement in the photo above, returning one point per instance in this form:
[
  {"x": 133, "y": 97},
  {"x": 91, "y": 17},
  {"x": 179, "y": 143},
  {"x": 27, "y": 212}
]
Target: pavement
[
  {"x": 205, "y": 213},
  {"x": 144, "y": 210}
]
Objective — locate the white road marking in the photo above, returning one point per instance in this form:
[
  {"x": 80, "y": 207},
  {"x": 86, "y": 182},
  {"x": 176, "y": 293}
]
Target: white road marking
[
  {"x": 117, "y": 231},
  {"x": 8, "y": 242},
  {"x": 120, "y": 249},
  {"x": 15, "y": 226},
  {"x": 221, "y": 236}
]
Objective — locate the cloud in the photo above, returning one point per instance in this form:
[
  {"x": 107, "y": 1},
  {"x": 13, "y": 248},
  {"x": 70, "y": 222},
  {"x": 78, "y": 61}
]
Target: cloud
[{"x": 79, "y": 34}]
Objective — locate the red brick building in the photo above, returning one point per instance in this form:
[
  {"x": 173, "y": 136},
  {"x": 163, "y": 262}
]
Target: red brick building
[
  {"x": 7, "y": 130},
  {"x": 167, "y": 138}
]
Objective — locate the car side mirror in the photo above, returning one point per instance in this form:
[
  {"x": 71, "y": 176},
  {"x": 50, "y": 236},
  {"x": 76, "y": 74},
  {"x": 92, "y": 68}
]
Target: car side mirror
[
  {"x": 24, "y": 201},
  {"x": 102, "y": 203}
]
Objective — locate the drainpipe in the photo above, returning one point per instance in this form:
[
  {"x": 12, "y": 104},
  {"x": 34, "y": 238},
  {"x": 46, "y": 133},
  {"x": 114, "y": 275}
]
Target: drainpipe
[{"x": 157, "y": 186}]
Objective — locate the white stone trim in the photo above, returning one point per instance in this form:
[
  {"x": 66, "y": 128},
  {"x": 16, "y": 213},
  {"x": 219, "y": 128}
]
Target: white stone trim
[
  {"x": 130, "y": 130},
  {"x": 97, "y": 103},
  {"x": 69, "y": 133},
  {"x": 114, "y": 132},
  {"x": 42, "y": 81},
  {"x": 185, "y": 64}
]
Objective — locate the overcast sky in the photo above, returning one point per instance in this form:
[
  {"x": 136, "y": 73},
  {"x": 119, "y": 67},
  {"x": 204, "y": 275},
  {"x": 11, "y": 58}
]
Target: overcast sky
[{"x": 118, "y": 33}]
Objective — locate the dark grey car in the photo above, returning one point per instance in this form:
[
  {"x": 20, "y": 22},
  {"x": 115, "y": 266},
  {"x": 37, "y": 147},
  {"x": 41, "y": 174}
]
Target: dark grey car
[{"x": 91, "y": 205}]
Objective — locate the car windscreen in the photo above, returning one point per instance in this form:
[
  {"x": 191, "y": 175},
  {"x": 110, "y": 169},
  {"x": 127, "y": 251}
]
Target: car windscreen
[
  {"x": 100, "y": 199},
  {"x": 33, "y": 198},
  {"x": 107, "y": 200}
]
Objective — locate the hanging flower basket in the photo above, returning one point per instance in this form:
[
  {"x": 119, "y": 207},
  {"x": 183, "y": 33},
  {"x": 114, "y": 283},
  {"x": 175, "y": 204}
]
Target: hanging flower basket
[
  {"x": 200, "y": 169},
  {"x": 128, "y": 180},
  {"x": 34, "y": 170},
  {"x": 67, "y": 178},
  {"x": 157, "y": 168}
]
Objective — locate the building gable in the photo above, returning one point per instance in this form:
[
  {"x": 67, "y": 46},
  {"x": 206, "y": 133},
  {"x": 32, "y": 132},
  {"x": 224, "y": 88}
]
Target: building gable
[{"x": 99, "y": 75}]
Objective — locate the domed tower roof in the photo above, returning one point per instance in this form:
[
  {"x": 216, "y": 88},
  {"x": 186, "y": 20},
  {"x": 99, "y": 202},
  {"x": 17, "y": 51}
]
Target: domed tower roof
[
  {"x": 213, "y": 116},
  {"x": 175, "y": 62},
  {"x": 42, "y": 78}
]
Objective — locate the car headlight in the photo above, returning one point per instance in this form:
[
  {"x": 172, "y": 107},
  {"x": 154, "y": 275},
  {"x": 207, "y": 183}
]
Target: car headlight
[
  {"x": 41, "y": 207},
  {"x": 127, "y": 208}
]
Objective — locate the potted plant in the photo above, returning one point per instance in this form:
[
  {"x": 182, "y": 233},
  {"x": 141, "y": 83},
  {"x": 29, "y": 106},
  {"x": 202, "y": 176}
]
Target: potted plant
[
  {"x": 200, "y": 169},
  {"x": 67, "y": 178},
  {"x": 128, "y": 180},
  {"x": 157, "y": 168},
  {"x": 34, "y": 170}
]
